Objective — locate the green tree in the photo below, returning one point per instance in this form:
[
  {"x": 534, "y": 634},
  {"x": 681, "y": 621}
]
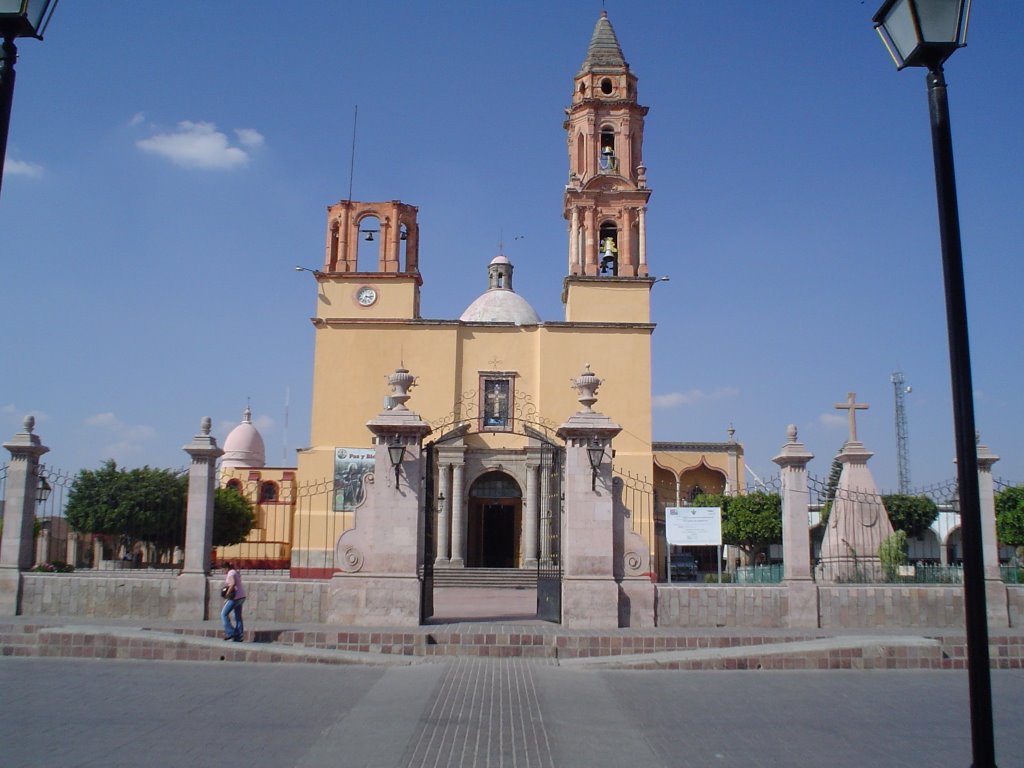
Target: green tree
[
  {"x": 233, "y": 517},
  {"x": 893, "y": 553},
  {"x": 144, "y": 504},
  {"x": 752, "y": 522},
  {"x": 1010, "y": 516},
  {"x": 834, "y": 473},
  {"x": 911, "y": 514}
]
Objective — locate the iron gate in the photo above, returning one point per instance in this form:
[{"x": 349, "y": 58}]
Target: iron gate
[{"x": 549, "y": 534}]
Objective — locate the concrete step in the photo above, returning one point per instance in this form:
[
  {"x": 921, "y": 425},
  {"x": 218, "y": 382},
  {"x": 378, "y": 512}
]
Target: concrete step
[{"x": 507, "y": 578}]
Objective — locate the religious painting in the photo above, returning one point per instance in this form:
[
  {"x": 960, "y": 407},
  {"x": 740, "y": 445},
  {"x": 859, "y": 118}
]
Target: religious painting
[
  {"x": 496, "y": 403},
  {"x": 351, "y": 467}
]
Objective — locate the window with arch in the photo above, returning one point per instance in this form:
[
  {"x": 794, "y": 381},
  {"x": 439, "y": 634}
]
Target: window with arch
[
  {"x": 609, "y": 248},
  {"x": 368, "y": 247},
  {"x": 495, "y": 485},
  {"x": 268, "y": 491},
  {"x": 234, "y": 484},
  {"x": 608, "y": 161}
]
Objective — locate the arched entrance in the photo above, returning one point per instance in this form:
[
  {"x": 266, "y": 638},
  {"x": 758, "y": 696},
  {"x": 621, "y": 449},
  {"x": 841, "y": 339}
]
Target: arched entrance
[{"x": 494, "y": 522}]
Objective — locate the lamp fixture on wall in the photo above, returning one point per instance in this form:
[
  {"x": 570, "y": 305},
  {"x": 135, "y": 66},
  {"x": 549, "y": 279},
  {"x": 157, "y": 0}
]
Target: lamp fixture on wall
[
  {"x": 43, "y": 490},
  {"x": 595, "y": 452},
  {"x": 396, "y": 452}
]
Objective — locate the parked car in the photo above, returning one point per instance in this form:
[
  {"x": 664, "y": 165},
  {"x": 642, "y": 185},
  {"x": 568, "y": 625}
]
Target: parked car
[{"x": 684, "y": 567}]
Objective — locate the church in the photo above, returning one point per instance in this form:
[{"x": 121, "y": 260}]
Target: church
[{"x": 493, "y": 383}]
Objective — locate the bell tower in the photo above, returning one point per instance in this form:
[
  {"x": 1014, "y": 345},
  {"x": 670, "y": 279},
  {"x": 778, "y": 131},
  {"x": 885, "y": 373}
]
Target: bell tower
[{"x": 606, "y": 195}]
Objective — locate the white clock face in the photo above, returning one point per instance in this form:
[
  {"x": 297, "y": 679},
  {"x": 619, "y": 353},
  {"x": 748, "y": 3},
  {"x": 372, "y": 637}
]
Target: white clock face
[{"x": 366, "y": 296}]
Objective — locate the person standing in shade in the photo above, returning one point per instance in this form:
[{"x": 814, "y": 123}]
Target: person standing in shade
[{"x": 234, "y": 596}]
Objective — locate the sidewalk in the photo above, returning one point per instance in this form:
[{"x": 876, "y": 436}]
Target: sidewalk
[{"x": 501, "y": 623}]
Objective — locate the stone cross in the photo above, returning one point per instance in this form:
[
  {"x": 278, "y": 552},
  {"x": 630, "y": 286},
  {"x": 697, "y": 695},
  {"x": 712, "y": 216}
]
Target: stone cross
[{"x": 851, "y": 406}]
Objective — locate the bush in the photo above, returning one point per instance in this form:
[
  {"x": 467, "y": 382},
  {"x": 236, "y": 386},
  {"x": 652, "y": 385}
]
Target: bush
[
  {"x": 893, "y": 553},
  {"x": 712, "y": 578},
  {"x": 57, "y": 566}
]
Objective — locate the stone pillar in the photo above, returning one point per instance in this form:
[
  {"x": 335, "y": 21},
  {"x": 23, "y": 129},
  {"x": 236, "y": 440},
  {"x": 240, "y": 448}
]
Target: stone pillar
[
  {"x": 642, "y": 221},
  {"x": 575, "y": 267},
  {"x": 590, "y": 593},
  {"x": 590, "y": 243},
  {"x": 191, "y": 585},
  {"x": 379, "y": 558},
  {"x": 796, "y": 540},
  {"x": 995, "y": 589},
  {"x": 444, "y": 499},
  {"x": 19, "y": 514},
  {"x": 986, "y": 492},
  {"x": 43, "y": 547},
  {"x": 531, "y": 505},
  {"x": 459, "y": 518},
  {"x": 71, "y": 558}
]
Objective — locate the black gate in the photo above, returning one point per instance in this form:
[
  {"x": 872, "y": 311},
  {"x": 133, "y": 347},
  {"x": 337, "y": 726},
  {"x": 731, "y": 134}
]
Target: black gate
[
  {"x": 429, "y": 523},
  {"x": 549, "y": 534}
]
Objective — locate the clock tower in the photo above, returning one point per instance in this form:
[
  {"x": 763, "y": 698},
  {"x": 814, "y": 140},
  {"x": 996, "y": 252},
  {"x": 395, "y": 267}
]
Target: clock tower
[
  {"x": 606, "y": 197},
  {"x": 371, "y": 264}
]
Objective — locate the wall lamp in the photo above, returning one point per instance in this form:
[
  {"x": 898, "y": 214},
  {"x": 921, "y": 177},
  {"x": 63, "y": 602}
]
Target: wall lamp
[
  {"x": 595, "y": 452},
  {"x": 314, "y": 272},
  {"x": 43, "y": 490},
  {"x": 396, "y": 452}
]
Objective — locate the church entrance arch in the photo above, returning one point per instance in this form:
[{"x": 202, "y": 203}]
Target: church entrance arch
[
  {"x": 494, "y": 522},
  {"x": 492, "y": 514}
]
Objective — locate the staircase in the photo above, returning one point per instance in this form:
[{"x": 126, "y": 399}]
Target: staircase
[{"x": 489, "y": 578}]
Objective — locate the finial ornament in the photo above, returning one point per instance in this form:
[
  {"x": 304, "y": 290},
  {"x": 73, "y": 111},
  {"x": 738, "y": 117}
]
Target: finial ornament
[
  {"x": 731, "y": 431},
  {"x": 401, "y": 382},
  {"x": 791, "y": 433},
  {"x": 29, "y": 424},
  {"x": 205, "y": 425},
  {"x": 851, "y": 406},
  {"x": 586, "y": 384}
]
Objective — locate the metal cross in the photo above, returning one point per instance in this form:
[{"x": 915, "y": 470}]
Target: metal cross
[{"x": 851, "y": 406}]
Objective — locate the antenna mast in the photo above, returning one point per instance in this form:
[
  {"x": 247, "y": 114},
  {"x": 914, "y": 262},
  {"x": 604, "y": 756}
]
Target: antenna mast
[{"x": 900, "y": 391}]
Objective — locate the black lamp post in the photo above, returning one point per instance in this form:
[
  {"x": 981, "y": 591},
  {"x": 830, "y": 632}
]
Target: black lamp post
[
  {"x": 924, "y": 33},
  {"x": 18, "y": 18}
]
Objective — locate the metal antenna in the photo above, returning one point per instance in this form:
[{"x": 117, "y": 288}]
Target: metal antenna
[
  {"x": 900, "y": 391},
  {"x": 352, "y": 158}
]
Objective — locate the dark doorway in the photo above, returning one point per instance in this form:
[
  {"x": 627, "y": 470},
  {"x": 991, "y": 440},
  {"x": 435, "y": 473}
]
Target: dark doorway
[{"x": 493, "y": 534}]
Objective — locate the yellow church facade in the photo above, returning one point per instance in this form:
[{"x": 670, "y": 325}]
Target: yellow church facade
[{"x": 495, "y": 383}]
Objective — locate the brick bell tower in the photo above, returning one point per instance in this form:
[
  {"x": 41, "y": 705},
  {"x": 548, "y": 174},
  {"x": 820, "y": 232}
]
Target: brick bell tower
[{"x": 606, "y": 196}]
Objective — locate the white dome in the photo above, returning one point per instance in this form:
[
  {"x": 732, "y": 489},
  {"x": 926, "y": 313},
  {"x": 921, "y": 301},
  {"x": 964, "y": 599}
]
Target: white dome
[
  {"x": 500, "y": 304},
  {"x": 244, "y": 445}
]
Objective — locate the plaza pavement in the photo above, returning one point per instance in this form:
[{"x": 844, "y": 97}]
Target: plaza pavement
[{"x": 507, "y": 712}]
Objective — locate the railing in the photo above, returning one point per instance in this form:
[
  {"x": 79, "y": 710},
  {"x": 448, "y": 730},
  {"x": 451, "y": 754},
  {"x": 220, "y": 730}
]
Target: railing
[{"x": 759, "y": 574}]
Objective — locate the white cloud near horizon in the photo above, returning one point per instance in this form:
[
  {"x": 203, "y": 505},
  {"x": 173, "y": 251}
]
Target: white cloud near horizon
[
  {"x": 125, "y": 440},
  {"x": 692, "y": 397},
  {"x": 832, "y": 420},
  {"x": 200, "y": 145},
  {"x": 22, "y": 168}
]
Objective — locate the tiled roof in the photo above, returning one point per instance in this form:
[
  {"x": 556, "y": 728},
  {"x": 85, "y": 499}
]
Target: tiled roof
[{"x": 604, "y": 50}]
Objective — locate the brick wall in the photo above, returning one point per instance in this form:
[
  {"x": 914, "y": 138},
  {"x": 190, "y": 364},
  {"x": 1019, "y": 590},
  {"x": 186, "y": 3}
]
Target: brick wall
[
  {"x": 278, "y": 600},
  {"x": 890, "y": 606},
  {"x": 102, "y": 596},
  {"x": 721, "y": 606}
]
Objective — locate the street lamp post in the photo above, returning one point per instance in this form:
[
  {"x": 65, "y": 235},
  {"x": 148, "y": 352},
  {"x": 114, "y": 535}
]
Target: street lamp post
[
  {"x": 925, "y": 34},
  {"x": 18, "y": 18}
]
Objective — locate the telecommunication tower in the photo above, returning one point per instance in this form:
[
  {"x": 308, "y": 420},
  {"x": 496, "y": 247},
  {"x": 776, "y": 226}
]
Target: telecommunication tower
[{"x": 901, "y": 390}]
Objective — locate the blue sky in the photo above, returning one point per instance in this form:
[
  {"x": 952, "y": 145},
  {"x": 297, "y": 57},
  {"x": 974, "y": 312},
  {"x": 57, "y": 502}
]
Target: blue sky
[{"x": 169, "y": 164}]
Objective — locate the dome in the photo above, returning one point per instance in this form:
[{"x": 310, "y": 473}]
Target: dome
[
  {"x": 244, "y": 445},
  {"x": 500, "y": 304}
]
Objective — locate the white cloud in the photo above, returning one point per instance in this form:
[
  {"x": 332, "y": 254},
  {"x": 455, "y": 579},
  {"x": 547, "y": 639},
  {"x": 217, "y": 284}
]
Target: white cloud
[
  {"x": 125, "y": 440},
  {"x": 250, "y": 137},
  {"x": 137, "y": 119},
  {"x": 831, "y": 420},
  {"x": 196, "y": 145},
  {"x": 692, "y": 397},
  {"x": 21, "y": 168}
]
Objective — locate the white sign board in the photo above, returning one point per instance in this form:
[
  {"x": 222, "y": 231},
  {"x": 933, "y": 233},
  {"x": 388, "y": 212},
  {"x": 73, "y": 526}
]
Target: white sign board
[{"x": 694, "y": 526}]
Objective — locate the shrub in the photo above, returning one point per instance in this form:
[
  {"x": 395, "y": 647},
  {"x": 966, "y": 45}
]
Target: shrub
[{"x": 893, "y": 553}]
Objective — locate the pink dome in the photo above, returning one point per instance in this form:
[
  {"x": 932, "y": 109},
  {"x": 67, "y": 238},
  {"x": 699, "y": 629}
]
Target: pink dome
[{"x": 244, "y": 445}]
